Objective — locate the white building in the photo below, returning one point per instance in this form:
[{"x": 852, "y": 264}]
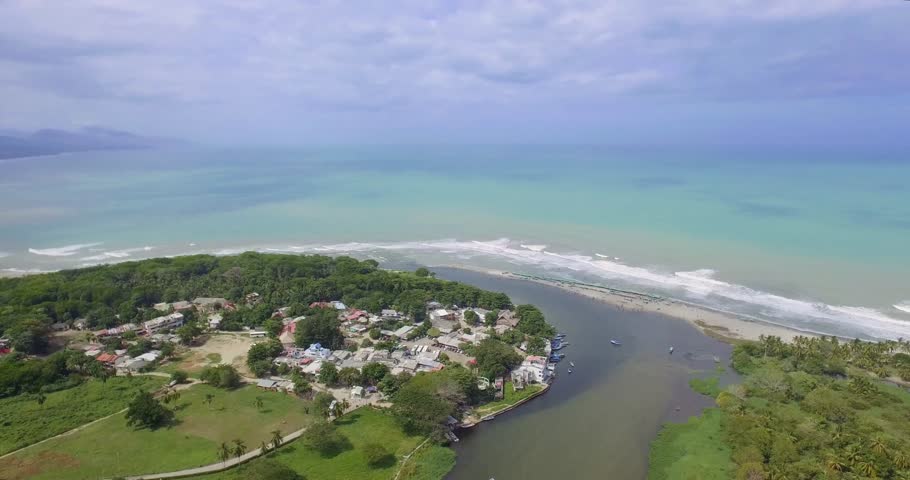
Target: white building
[
  {"x": 163, "y": 323},
  {"x": 532, "y": 370}
]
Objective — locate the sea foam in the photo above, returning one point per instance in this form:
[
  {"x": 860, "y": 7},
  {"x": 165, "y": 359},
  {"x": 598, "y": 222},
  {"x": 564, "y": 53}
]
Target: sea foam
[
  {"x": 115, "y": 254},
  {"x": 64, "y": 251},
  {"x": 903, "y": 306},
  {"x": 698, "y": 286}
]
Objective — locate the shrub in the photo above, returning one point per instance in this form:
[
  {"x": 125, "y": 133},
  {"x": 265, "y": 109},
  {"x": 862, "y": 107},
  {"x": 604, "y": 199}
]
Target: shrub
[{"x": 377, "y": 456}]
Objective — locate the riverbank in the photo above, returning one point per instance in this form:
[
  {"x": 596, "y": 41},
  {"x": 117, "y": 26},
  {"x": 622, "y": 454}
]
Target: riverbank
[{"x": 725, "y": 326}]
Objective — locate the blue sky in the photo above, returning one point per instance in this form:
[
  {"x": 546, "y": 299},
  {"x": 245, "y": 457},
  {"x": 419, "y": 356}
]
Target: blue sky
[{"x": 286, "y": 72}]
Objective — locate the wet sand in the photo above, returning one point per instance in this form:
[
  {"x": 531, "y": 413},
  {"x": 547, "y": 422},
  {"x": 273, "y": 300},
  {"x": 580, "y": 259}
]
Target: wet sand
[{"x": 597, "y": 422}]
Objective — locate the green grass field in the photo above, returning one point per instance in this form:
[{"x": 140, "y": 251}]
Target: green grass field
[
  {"x": 431, "y": 462},
  {"x": 361, "y": 426},
  {"x": 510, "y": 397},
  {"x": 25, "y": 422},
  {"x": 694, "y": 450},
  {"x": 110, "y": 448}
]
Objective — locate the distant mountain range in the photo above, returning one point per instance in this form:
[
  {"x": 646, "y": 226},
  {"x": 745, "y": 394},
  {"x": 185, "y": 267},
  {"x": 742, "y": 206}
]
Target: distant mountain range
[{"x": 50, "y": 141}]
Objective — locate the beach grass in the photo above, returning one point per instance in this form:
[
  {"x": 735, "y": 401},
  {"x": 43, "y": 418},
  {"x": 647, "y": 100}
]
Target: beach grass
[
  {"x": 361, "y": 427},
  {"x": 110, "y": 448},
  {"x": 510, "y": 397},
  {"x": 25, "y": 422},
  {"x": 695, "y": 449}
]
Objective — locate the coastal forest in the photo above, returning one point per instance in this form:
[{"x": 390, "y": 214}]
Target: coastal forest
[{"x": 810, "y": 409}]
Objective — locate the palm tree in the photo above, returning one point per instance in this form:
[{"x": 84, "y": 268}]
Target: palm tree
[
  {"x": 224, "y": 452},
  {"x": 834, "y": 464},
  {"x": 277, "y": 439},
  {"x": 878, "y": 445},
  {"x": 868, "y": 469},
  {"x": 337, "y": 410},
  {"x": 259, "y": 403},
  {"x": 40, "y": 398},
  {"x": 208, "y": 399},
  {"x": 239, "y": 448},
  {"x": 263, "y": 447}
]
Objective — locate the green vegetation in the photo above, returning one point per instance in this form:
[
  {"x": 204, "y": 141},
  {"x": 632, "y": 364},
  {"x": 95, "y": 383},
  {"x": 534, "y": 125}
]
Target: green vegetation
[
  {"x": 431, "y": 462},
  {"x": 810, "y": 409},
  {"x": 221, "y": 376},
  {"x": 110, "y": 447},
  {"x": 362, "y": 427},
  {"x": 145, "y": 411},
  {"x": 695, "y": 449},
  {"x": 26, "y": 421},
  {"x": 705, "y": 386},
  {"x": 510, "y": 397}
]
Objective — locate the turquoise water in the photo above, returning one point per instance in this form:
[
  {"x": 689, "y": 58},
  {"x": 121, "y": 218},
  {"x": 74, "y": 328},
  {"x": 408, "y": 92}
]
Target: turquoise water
[{"x": 808, "y": 238}]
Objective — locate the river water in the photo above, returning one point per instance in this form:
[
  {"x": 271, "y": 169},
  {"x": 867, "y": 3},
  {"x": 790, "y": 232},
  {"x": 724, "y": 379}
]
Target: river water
[{"x": 598, "y": 421}]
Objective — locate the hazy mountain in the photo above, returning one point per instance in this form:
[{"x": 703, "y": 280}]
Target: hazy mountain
[{"x": 49, "y": 141}]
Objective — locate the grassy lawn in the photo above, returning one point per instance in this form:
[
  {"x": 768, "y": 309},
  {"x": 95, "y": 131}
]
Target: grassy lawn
[
  {"x": 361, "y": 426},
  {"x": 24, "y": 422},
  {"x": 110, "y": 448},
  {"x": 510, "y": 397},
  {"x": 691, "y": 450}
]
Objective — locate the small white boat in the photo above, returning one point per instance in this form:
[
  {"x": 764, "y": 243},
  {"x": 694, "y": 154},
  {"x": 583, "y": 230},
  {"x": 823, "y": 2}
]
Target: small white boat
[
  {"x": 572, "y": 364},
  {"x": 570, "y": 370},
  {"x": 671, "y": 350},
  {"x": 615, "y": 342},
  {"x": 716, "y": 359}
]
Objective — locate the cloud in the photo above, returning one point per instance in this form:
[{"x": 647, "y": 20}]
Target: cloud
[{"x": 283, "y": 59}]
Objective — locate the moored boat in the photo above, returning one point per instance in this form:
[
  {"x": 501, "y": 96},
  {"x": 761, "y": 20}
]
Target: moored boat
[{"x": 615, "y": 342}]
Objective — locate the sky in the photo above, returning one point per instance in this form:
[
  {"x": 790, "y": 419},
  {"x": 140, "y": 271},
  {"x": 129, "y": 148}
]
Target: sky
[{"x": 623, "y": 72}]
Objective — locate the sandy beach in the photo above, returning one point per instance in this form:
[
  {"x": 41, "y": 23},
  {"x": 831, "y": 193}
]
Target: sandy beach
[{"x": 725, "y": 326}]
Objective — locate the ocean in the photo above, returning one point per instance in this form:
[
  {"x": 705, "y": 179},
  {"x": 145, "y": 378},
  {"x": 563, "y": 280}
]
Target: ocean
[{"x": 813, "y": 239}]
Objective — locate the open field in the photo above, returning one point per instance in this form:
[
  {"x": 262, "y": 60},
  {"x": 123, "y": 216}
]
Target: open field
[
  {"x": 110, "y": 448},
  {"x": 695, "y": 449},
  {"x": 510, "y": 397},
  {"x": 25, "y": 422},
  {"x": 228, "y": 348},
  {"x": 362, "y": 426},
  {"x": 431, "y": 462}
]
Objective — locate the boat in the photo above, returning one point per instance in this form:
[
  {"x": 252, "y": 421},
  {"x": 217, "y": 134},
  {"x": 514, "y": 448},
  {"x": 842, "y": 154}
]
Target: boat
[
  {"x": 555, "y": 358},
  {"x": 560, "y": 335},
  {"x": 551, "y": 367},
  {"x": 615, "y": 342},
  {"x": 671, "y": 350},
  {"x": 716, "y": 360},
  {"x": 571, "y": 364},
  {"x": 570, "y": 370},
  {"x": 558, "y": 347}
]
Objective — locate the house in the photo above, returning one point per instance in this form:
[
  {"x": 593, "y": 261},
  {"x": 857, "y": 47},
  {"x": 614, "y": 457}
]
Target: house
[
  {"x": 337, "y": 305},
  {"x": 215, "y": 321},
  {"x": 507, "y": 318},
  {"x": 357, "y": 392},
  {"x": 80, "y": 324},
  {"x": 408, "y": 365},
  {"x": 403, "y": 332},
  {"x": 266, "y": 384},
  {"x": 313, "y": 368},
  {"x": 428, "y": 365},
  {"x": 286, "y": 337},
  {"x": 181, "y": 306},
  {"x": 532, "y": 370},
  {"x": 357, "y": 315},
  {"x": 315, "y": 350},
  {"x": 60, "y": 327},
  {"x": 162, "y": 307},
  {"x": 150, "y": 356},
  {"x": 449, "y": 342},
  {"x": 251, "y": 298},
  {"x": 107, "y": 358},
  {"x": 163, "y": 323},
  {"x": 210, "y": 304},
  {"x": 442, "y": 314},
  {"x": 132, "y": 364},
  {"x": 389, "y": 314}
]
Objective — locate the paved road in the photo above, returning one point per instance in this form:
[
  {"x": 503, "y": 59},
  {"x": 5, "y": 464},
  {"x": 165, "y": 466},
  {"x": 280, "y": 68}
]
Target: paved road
[{"x": 216, "y": 467}]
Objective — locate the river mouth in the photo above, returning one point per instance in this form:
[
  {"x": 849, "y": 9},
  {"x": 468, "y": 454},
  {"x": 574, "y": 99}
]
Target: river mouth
[{"x": 597, "y": 422}]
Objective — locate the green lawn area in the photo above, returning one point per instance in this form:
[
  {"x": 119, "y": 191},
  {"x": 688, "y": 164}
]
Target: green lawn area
[
  {"x": 25, "y": 422},
  {"x": 694, "y": 450},
  {"x": 110, "y": 448},
  {"x": 510, "y": 397},
  {"x": 361, "y": 426}
]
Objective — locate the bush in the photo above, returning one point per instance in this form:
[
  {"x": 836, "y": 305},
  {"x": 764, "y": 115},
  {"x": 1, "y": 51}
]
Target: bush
[
  {"x": 221, "y": 376},
  {"x": 377, "y": 456},
  {"x": 146, "y": 411},
  {"x": 179, "y": 376},
  {"x": 267, "y": 469}
]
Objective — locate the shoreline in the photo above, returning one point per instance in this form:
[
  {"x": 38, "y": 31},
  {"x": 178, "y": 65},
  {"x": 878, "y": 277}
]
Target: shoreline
[{"x": 725, "y": 326}]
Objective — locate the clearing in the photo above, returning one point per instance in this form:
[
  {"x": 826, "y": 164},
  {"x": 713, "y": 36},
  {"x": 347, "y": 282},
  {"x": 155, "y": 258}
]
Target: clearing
[{"x": 220, "y": 348}]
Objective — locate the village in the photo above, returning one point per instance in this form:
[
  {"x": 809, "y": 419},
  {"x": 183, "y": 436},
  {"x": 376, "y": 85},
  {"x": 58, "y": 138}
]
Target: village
[{"x": 387, "y": 337}]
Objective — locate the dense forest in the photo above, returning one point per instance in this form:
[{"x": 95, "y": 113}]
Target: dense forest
[
  {"x": 814, "y": 408},
  {"x": 115, "y": 294}
]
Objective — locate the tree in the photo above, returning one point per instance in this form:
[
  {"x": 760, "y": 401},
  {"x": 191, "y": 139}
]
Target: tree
[
  {"x": 495, "y": 358},
  {"x": 424, "y": 403},
  {"x": 324, "y": 438},
  {"x": 258, "y": 403},
  {"x": 260, "y": 356},
  {"x": 221, "y": 376},
  {"x": 188, "y": 333},
  {"x": 321, "y": 326},
  {"x": 422, "y": 272},
  {"x": 239, "y": 448},
  {"x": 377, "y": 456},
  {"x": 471, "y": 317},
  {"x": 349, "y": 376},
  {"x": 322, "y": 402},
  {"x": 179, "y": 376},
  {"x": 167, "y": 350},
  {"x": 40, "y": 398},
  {"x": 328, "y": 374},
  {"x": 489, "y": 319},
  {"x": 145, "y": 411},
  {"x": 224, "y": 452},
  {"x": 29, "y": 336},
  {"x": 277, "y": 438},
  {"x": 374, "y": 372},
  {"x": 208, "y": 399}
]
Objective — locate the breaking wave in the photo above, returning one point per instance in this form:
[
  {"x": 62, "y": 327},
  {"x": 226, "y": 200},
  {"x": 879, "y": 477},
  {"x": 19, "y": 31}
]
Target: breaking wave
[
  {"x": 697, "y": 286},
  {"x": 115, "y": 254},
  {"x": 903, "y": 306},
  {"x": 62, "y": 251}
]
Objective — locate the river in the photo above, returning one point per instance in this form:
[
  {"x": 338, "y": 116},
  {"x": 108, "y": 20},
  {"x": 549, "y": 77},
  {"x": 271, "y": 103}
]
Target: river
[{"x": 598, "y": 421}]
